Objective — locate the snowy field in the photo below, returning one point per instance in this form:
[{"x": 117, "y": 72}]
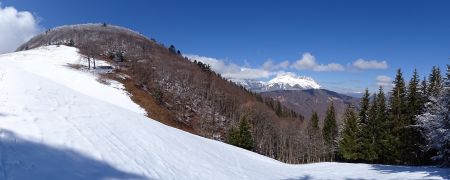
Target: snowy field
[{"x": 60, "y": 123}]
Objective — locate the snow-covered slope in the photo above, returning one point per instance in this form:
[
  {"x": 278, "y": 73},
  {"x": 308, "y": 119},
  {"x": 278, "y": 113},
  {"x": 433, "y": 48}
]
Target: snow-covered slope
[
  {"x": 283, "y": 81},
  {"x": 61, "y": 123}
]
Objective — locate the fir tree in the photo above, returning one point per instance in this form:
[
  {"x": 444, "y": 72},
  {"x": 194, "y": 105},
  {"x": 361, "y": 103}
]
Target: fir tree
[
  {"x": 365, "y": 133},
  {"x": 397, "y": 115},
  {"x": 315, "y": 121},
  {"x": 233, "y": 136},
  {"x": 330, "y": 131},
  {"x": 435, "y": 82},
  {"x": 245, "y": 134},
  {"x": 241, "y": 136},
  {"x": 411, "y": 138},
  {"x": 435, "y": 123},
  {"x": 424, "y": 92},
  {"x": 414, "y": 97},
  {"x": 314, "y": 138},
  {"x": 369, "y": 136},
  {"x": 364, "y": 107},
  {"x": 348, "y": 145},
  {"x": 382, "y": 129}
]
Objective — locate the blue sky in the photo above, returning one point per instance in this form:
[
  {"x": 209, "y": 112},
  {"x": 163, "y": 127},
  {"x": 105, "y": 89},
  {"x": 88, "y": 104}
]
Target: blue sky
[{"x": 404, "y": 34}]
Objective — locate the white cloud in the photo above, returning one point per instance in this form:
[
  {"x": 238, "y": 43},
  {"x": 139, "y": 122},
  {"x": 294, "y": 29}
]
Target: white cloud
[
  {"x": 230, "y": 70},
  {"x": 329, "y": 67},
  {"x": 16, "y": 27},
  {"x": 269, "y": 65},
  {"x": 308, "y": 61},
  {"x": 362, "y": 64},
  {"x": 384, "y": 81}
]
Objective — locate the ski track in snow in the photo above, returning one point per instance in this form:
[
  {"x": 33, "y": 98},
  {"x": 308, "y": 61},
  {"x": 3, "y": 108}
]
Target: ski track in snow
[{"x": 60, "y": 123}]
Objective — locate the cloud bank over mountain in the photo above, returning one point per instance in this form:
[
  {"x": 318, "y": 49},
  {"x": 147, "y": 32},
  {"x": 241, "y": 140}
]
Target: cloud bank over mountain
[{"x": 16, "y": 27}]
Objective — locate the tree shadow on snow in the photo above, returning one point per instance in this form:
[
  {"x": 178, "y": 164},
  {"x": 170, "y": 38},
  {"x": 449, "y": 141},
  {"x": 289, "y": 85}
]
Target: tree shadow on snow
[
  {"x": 430, "y": 170},
  {"x": 306, "y": 177},
  {"x": 22, "y": 159},
  {"x": 5, "y": 114}
]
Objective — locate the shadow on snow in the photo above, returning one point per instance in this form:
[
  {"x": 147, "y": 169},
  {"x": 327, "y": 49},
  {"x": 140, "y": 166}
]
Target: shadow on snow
[
  {"x": 22, "y": 159},
  {"x": 432, "y": 172}
]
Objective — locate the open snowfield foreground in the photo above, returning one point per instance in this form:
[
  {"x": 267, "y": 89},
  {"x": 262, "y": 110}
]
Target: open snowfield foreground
[{"x": 60, "y": 123}]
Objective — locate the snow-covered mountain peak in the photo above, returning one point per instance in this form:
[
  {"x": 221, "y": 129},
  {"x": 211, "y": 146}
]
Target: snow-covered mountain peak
[
  {"x": 283, "y": 81},
  {"x": 291, "y": 80}
]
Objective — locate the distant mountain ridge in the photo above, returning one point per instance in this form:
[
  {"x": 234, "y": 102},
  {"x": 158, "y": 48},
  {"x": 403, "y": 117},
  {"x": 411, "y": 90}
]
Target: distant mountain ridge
[{"x": 307, "y": 101}]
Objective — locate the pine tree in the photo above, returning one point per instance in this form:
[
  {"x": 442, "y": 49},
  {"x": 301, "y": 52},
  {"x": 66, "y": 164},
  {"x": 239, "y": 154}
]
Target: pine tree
[
  {"x": 414, "y": 97},
  {"x": 411, "y": 138},
  {"x": 435, "y": 82},
  {"x": 348, "y": 145},
  {"x": 364, "y": 107},
  {"x": 245, "y": 134},
  {"x": 314, "y": 138},
  {"x": 315, "y": 121},
  {"x": 233, "y": 136},
  {"x": 330, "y": 131},
  {"x": 445, "y": 103},
  {"x": 241, "y": 136},
  {"x": 397, "y": 115},
  {"x": 424, "y": 92},
  {"x": 369, "y": 136},
  {"x": 435, "y": 123},
  {"x": 382, "y": 130},
  {"x": 364, "y": 140}
]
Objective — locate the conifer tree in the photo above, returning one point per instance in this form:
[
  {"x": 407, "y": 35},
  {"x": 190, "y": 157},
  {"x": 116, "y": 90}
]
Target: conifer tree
[
  {"x": 241, "y": 136},
  {"x": 364, "y": 107},
  {"x": 383, "y": 134},
  {"x": 435, "y": 82},
  {"x": 411, "y": 138},
  {"x": 370, "y": 130},
  {"x": 397, "y": 115},
  {"x": 245, "y": 134},
  {"x": 233, "y": 136},
  {"x": 330, "y": 131},
  {"x": 414, "y": 97},
  {"x": 435, "y": 123},
  {"x": 364, "y": 140},
  {"x": 314, "y": 138},
  {"x": 424, "y": 92},
  {"x": 348, "y": 145},
  {"x": 315, "y": 121}
]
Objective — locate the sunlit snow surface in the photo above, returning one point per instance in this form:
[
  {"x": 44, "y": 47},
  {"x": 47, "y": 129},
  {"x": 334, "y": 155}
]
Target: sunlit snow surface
[{"x": 60, "y": 123}]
